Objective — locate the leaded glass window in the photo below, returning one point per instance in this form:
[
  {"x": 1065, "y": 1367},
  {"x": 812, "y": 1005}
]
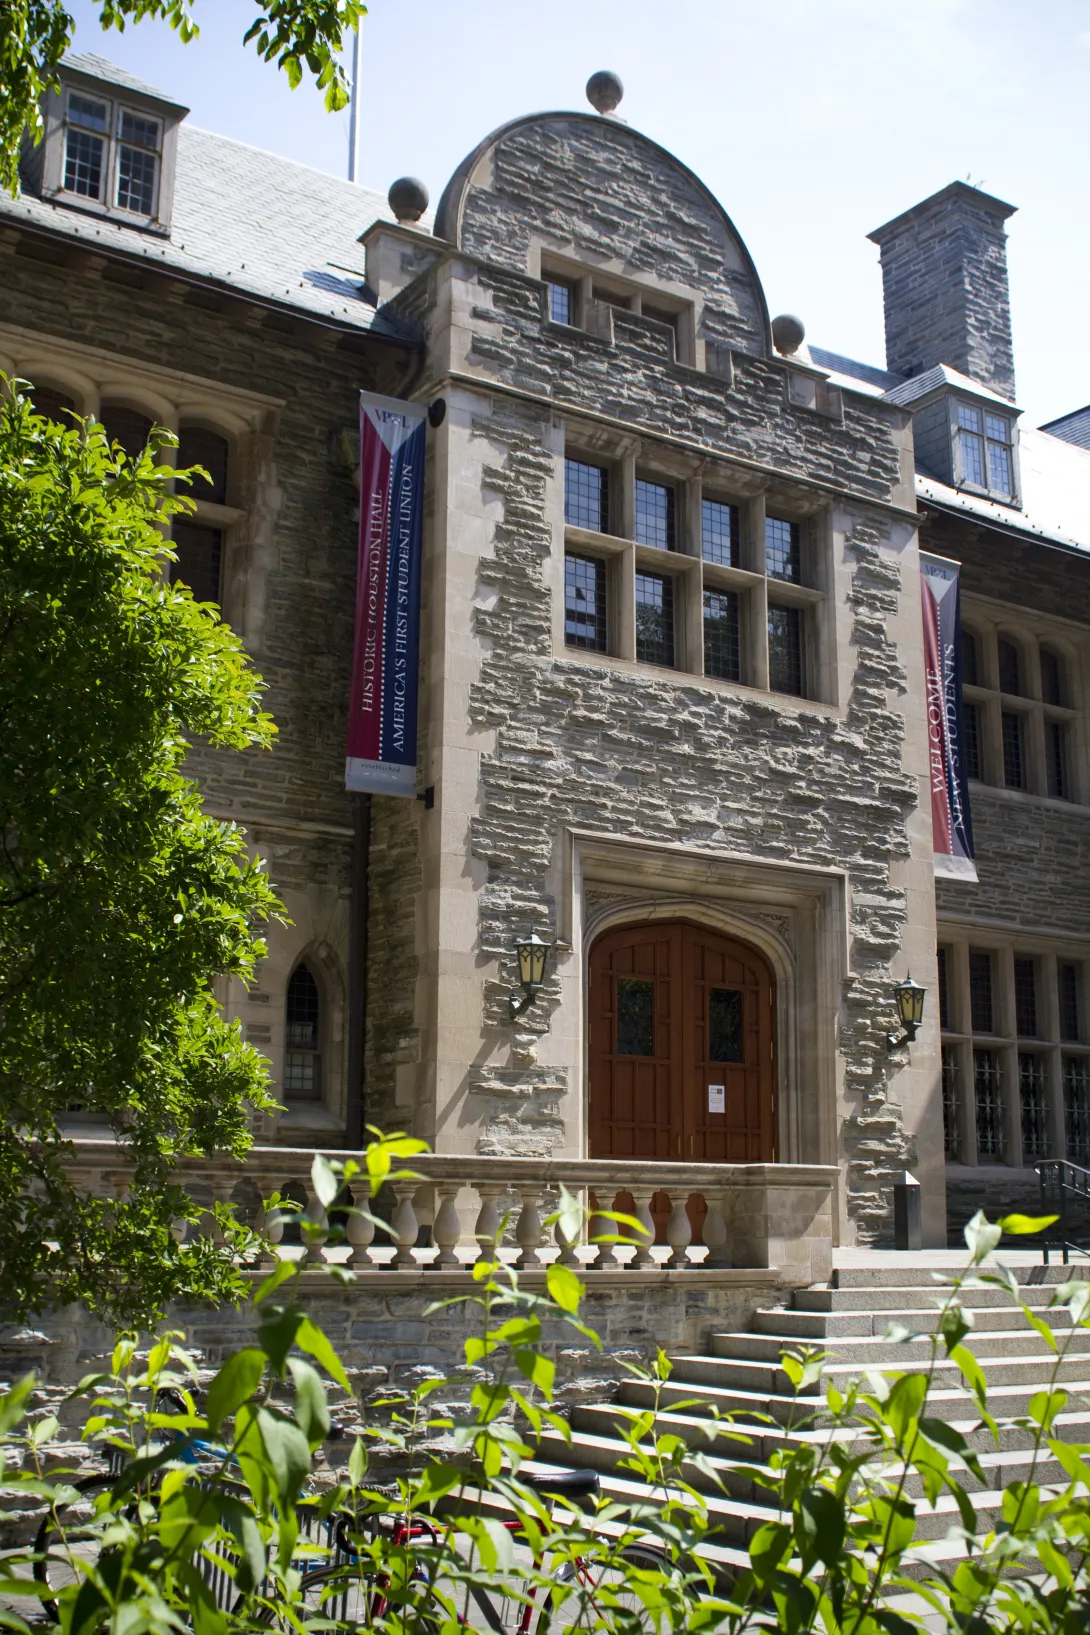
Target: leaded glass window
[
  {"x": 586, "y": 496},
  {"x": 970, "y": 733},
  {"x": 1053, "y": 690},
  {"x": 726, "y": 1009},
  {"x": 970, "y": 659},
  {"x": 1010, "y": 668},
  {"x": 585, "y": 603},
  {"x": 981, "y": 1006},
  {"x": 635, "y": 1017},
  {"x": 997, "y": 431},
  {"x": 722, "y": 636},
  {"x": 1056, "y": 759},
  {"x": 1069, "y": 1002},
  {"x": 85, "y": 145},
  {"x": 782, "y": 553},
  {"x": 655, "y": 619},
  {"x": 719, "y": 533},
  {"x": 951, "y": 1105},
  {"x": 1033, "y": 1106},
  {"x": 655, "y": 515},
  {"x": 944, "y": 990},
  {"x": 785, "y": 650},
  {"x": 302, "y": 1052},
  {"x": 1014, "y": 771},
  {"x": 1025, "y": 998},
  {"x": 1076, "y": 1081},
  {"x": 971, "y": 444},
  {"x": 199, "y": 447},
  {"x": 199, "y": 564},
  {"x": 987, "y": 1080},
  {"x": 561, "y": 303}
]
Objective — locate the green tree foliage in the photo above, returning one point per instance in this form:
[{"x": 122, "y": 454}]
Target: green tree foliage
[
  {"x": 120, "y": 901},
  {"x": 211, "y": 1519},
  {"x": 34, "y": 35}
]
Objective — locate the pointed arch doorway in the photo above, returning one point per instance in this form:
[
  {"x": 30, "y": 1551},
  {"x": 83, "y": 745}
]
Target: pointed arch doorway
[{"x": 681, "y": 1046}]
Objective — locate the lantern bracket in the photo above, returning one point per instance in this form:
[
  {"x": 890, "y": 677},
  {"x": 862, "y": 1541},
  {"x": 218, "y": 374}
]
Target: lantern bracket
[{"x": 910, "y": 997}]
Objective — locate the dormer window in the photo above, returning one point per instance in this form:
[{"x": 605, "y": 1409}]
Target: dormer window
[
  {"x": 984, "y": 456},
  {"x": 109, "y": 145},
  {"x": 112, "y": 154}
]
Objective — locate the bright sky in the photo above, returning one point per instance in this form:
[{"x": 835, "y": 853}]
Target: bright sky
[{"x": 813, "y": 121}]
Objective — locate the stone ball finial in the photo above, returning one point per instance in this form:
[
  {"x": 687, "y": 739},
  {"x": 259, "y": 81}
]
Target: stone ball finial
[
  {"x": 788, "y": 333},
  {"x": 604, "y": 90},
  {"x": 408, "y": 199}
]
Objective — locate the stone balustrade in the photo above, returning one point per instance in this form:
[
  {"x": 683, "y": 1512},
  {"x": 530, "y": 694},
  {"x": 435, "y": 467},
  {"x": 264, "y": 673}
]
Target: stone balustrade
[{"x": 463, "y": 1207}]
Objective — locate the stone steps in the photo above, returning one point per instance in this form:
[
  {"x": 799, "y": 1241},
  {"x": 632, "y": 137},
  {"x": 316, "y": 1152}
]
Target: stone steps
[{"x": 738, "y": 1385}]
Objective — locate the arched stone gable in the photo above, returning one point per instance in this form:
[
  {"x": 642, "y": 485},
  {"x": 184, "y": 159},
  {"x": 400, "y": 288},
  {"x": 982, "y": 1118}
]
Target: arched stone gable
[{"x": 609, "y": 197}]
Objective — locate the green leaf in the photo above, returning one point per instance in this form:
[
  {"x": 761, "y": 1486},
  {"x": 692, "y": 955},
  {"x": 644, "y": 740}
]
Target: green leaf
[
  {"x": 324, "y": 1180},
  {"x": 235, "y": 1384},
  {"x": 538, "y": 1369},
  {"x": 288, "y": 1453},
  {"x": 820, "y": 1525},
  {"x": 13, "y": 1403},
  {"x": 357, "y": 1460},
  {"x": 309, "y": 1338},
  {"x": 564, "y": 1286},
  {"x": 1022, "y": 1224},
  {"x": 310, "y": 1409}
]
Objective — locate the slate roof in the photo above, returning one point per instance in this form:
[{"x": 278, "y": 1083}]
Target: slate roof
[
  {"x": 100, "y": 68},
  {"x": 852, "y": 370},
  {"x": 243, "y": 220},
  {"x": 1073, "y": 428},
  {"x": 911, "y": 390}
]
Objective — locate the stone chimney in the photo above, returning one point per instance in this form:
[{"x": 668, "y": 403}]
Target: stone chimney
[{"x": 944, "y": 281}]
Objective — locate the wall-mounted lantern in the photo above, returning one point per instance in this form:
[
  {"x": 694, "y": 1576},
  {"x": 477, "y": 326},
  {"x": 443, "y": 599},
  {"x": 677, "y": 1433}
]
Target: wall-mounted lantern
[
  {"x": 910, "y": 997},
  {"x": 532, "y": 953}
]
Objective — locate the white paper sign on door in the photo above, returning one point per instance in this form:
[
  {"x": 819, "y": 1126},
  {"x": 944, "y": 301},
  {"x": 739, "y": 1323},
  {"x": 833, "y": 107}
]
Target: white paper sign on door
[{"x": 717, "y": 1098}]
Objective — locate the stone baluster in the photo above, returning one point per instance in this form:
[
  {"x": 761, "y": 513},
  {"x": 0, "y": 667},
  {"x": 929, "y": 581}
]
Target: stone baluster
[
  {"x": 404, "y": 1226},
  {"x": 528, "y": 1231},
  {"x": 271, "y": 1228},
  {"x": 360, "y": 1231},
  {"x": 566, "y": 1245},
  {"x": 446, "y": 1231},
  {"x": 487, "y": 1228},
  {"x": 679, "y": 1230},
  {"x": 645, "y": 1260},
  {"x": 716, "y": 1235},
  {"x": 603, "y": 1232},
  {"x": 315, "y": 1218}
]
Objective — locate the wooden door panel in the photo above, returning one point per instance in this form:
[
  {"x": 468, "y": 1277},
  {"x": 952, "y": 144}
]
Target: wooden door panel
[{"x": 673, "y": 1009}]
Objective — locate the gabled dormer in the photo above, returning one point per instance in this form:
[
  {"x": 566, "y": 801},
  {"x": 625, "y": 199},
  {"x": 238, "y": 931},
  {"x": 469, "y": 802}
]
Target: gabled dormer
[
  {"x": 965, "y": 435},
  {"x": 109, "y": 146}
]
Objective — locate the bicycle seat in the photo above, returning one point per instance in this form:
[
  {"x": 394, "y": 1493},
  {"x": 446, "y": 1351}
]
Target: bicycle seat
[{"x": 568, "y": 1484}]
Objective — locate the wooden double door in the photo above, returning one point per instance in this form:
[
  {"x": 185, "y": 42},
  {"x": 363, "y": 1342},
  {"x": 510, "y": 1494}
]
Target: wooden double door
[{"x": 681, "y": 1046}]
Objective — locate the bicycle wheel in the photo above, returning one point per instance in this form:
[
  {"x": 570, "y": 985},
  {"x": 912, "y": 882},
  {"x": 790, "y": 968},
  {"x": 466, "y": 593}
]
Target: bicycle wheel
[
  {"x": 602, "y": 1596},
  {"x": 343, "y": 1597},
  {"x": 65, "y": 1544}
]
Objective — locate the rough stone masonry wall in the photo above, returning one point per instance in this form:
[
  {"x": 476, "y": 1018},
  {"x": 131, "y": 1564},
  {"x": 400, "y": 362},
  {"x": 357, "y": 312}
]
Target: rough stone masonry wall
[
  {"x": 645, "y": 755},
  {"x": 306, "y": 653}
]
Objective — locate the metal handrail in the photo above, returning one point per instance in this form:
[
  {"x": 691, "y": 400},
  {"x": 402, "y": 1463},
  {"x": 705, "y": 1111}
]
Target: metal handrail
[{"x": 1059, "y": 1179}]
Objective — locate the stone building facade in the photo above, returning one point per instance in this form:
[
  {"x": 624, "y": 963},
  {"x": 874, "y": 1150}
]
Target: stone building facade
[{"x": 672, "y": 710}]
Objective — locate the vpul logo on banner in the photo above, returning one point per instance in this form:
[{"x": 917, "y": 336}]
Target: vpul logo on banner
[
  {"x": 381, "y": 755},
  {"x": 951, "y": 820}
]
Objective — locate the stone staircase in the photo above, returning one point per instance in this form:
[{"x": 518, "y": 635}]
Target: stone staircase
[{"x": 847, "y": 1319}]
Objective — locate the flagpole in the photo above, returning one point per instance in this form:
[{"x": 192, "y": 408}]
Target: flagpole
[{"x": 354, "y": 111}]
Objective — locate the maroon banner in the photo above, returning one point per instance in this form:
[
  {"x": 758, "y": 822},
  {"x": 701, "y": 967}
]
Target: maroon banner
[
  {"x": 381, "y": 755},
  {"x": 951, "y": 820}
]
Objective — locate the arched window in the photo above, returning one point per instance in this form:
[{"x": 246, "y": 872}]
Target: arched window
[
  {"x": 1053, "y": 690},
  {"x": 128, "y": 427},
  {"x": 199, "y": 559},
  {"x": 302, "y": 1035},
  {"x": 199, "y": 447},
  {"x": 51, "y": 402},
  {"x": 970, "y": 658},
  {"x": 1010, "y": 668}
]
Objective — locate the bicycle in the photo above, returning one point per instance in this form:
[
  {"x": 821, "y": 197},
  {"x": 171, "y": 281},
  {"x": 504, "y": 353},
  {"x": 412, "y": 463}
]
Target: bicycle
[{"x": 349, "y": 1594}]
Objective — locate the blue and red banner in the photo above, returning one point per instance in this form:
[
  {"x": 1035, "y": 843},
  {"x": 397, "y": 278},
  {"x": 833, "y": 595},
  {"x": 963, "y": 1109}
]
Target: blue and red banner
[
  {"x": 951, "y": 820},
  {"x": 382, "y": 711}
]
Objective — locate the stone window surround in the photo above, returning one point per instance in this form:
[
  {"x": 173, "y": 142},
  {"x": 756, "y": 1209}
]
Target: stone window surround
[
  {"x": 990, "y": 622},
  {"x": 685, "y": 304},
  {"x": 263, "y": 1010},
  {"x": 625, "y": 459},
  {"x": 168, "y": 114},
  {"x": 797, "y": 916},
  {"x": 170, "y": 397},
  {"x": 1047, "y": 954}
]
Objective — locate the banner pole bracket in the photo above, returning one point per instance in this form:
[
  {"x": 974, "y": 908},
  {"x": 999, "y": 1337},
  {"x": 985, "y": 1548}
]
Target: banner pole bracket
[{"x": 427, "y": 796}]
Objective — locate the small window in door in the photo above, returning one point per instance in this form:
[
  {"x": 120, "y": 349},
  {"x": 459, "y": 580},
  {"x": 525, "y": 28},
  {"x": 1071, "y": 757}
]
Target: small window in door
[
  {"x": 725, "y": 1013},
  {"x": 635, "y": 1017}
]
